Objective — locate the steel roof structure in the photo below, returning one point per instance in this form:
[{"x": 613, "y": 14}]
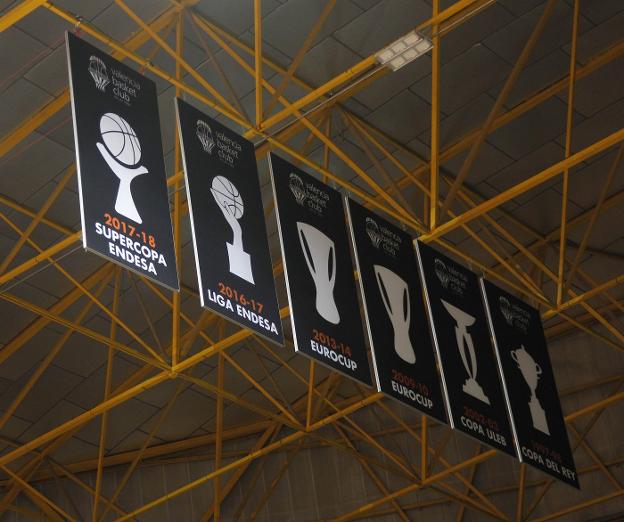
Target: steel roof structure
[{"x": 502, "y": 147}]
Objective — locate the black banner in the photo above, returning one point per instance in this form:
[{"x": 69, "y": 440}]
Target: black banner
[
  {"x": 468, "y": 365},
  {"x": 402, "y": 349},
  {"x": 324, "y": 309},
  {"x": 529, "y": 384},
  {"x": 227, "y": 222},
  {"x": 122, "y": 182}
]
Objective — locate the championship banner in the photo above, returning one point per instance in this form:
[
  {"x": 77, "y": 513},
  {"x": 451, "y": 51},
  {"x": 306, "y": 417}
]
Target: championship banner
[
  {"x": 470, "y": 375},
  {"x": 529, "y": 384},
  {"x": 124, "y": 206},
  {"x": 403, "y": 357},
  {"x": 232, "y": 256},
  {"x": 324, "y": 308}
]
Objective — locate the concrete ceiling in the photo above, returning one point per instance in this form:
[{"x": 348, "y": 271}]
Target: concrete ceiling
[{"x": 476, "y": 58}]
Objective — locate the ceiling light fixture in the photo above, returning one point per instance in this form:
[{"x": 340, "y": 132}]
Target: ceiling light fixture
[{"x": 405, "y": 50}]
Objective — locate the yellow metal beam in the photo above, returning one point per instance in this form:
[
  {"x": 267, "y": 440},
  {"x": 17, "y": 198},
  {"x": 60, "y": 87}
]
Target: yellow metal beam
[
  {"x": 15, "y": 14},
  {"x": 524, "y": 186}
]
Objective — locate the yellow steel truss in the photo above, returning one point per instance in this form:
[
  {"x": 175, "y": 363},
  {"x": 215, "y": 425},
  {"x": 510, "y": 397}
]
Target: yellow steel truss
[{"x": 318, "y": 408}]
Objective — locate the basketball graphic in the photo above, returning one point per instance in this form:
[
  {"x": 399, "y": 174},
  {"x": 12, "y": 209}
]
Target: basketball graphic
[
  {"x": 121, "y": 151},
  {"x": 228, "y": 196},
  {"x": 120, "y": 139}
]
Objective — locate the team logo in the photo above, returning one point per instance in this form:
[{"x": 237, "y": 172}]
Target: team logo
[
  {"x": 297, "y": 188},
  {"x": 506, "y": 310},
  {"x": 442, "y": 272},
  {"x": 97, "y": 70},
  {"x": 204, "y": 134},
  {"x": 372, "y": 229}
]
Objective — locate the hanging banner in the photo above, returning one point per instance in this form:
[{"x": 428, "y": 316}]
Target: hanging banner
[
  {"x": 529, "y": 384},
  {"x": 402, "y": 349},
  {"x": 124, "y": 206},
  {"x": 324, "y": 308},
  {"x": 468, "y": 365},
  {"x": 232, "y": 256}
]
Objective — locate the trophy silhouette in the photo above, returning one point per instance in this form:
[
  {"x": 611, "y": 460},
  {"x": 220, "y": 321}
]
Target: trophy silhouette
[
  {"x": 231, "y": 204},
  {"x": 531, "y": 371},
  {"x": 395, "y": 296},
  {"x": 320, "y": 255},
  {"x": 122, "y": 152},
  {"x": 464, "y": 340}
]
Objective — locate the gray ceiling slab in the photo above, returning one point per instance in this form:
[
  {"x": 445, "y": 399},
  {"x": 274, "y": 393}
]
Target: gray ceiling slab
[
  {"x": 598, "y": 126},
  {"x": 45, "y": 74},
  {"x": 599, "y": 11},
  {"x": 123, "y": 419},
  {"x": 531, "y": 130},
  {"x": 586, "y": 182},
  {"x": 90, "y": 391},
  {"x": 366, "y": 4},
  {"x": 52, "y": 386},
  {"x": 467, "y": 118},
  {"x": 465, "y": 77},
  {"x": 21, "y": 98},
  {"x": 190, "y": 411},
  {"x": 403, "y": 117},
  {"x": 541, "y": 73},
  {"x": 22, "y": 361},
  {"x": 325, "y": 61},
  {"x": 391, "y": 83},
  {"x": 519, "y": 8},
  {"x": 489, "y": 161},
  {"x": 382, "y": 24},
  {"x": 462, "y": 37},
  {"x": 25, "y": 52},
  {"x": 59, "y": 129},
  {"x": 510, "y": 41},
  {"x": 26, "y": 173},
  {"x": 598, "y": 90},
  {"x": 236, "y": 16},
  {"x": 46, "y": 27},
  {"x": 543, "y": 212},
  {"x": 599, "y": 39},
  {"x": 287, "y": 27},
  {"x": 55, "y": 415},
  {"x": 526, "y": 167}
]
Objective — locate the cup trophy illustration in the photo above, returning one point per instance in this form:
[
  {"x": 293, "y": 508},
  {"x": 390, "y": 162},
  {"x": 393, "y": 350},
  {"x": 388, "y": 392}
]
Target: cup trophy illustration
[
  {"x": 320, "y": 254},
  {"x": 464, "y": 343},
  {"x": 531, "y": 371},
  {"x": 395, "y": 296},
  {"x": 122, "y": 152},
  {"x": 230, "y": 202}
]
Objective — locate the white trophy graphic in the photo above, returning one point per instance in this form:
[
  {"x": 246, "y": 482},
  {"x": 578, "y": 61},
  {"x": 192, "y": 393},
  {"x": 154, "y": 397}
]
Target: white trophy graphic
[
  {"x": 230, "y": 202},
  {"x": 122, "y": 152},
  {"x": 464, "y": 340},
  {"x": 395, "y": 297},
  {"x": 320, "y": 254},
  {"x": 531, "y": 371}
]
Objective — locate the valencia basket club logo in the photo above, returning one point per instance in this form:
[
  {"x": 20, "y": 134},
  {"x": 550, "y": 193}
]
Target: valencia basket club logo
[
  {"x": 442, "y": 272},
  {"x": 204, "y": 134},
  {"x": 372, "y": 229},
  {"x": 122, "y": 152},
  {"x": 97, "y": 70},
  {"x": 506, "y": 310},
  {"x": 297, "y": 188}
]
